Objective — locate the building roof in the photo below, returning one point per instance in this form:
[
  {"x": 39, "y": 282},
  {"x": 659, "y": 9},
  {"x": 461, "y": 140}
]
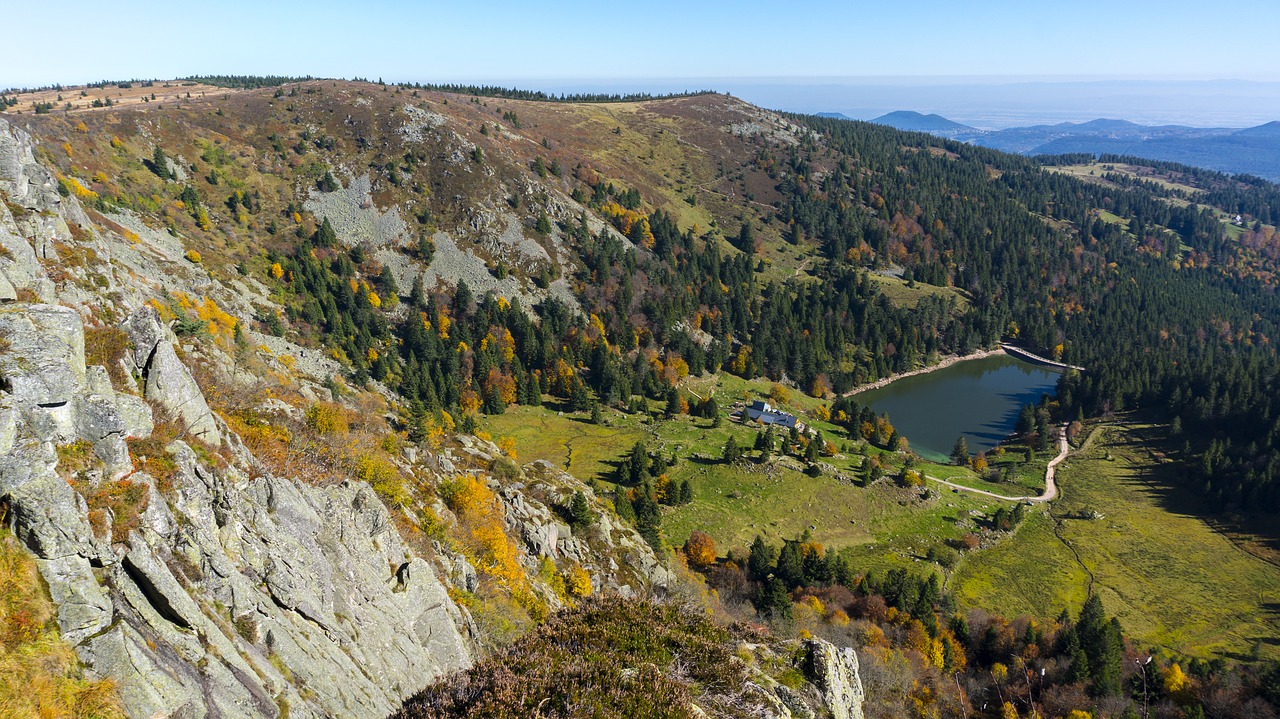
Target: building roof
[{"x": 763, "y": 413}]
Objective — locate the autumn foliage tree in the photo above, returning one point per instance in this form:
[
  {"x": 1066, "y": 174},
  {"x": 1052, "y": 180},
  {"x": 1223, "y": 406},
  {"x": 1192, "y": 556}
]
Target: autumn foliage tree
[{"x": 700, "y": 549}]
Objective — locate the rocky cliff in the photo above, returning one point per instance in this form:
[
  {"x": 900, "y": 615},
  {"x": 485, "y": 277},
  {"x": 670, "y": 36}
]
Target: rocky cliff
[
  {"x": 226, "y": 595},
  {"x": 206, "y": 548},
  {"x": 220, "y": 588}
]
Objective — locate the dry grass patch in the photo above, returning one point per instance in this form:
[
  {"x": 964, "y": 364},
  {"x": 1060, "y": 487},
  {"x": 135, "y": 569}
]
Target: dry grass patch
[{"x": 39, "y": 673}]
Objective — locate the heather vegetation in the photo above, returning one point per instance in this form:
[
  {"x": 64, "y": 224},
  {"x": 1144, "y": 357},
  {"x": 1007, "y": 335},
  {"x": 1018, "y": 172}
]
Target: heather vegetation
[{"x": 609, "y": 657}]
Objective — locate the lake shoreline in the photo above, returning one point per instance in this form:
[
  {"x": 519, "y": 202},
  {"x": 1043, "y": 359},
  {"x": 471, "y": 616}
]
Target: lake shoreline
[{"x": 944, "y": 363}]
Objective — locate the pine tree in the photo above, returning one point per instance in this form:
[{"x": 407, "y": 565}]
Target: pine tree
[
  {"x": 387, "y": 281},
  {"x": 686, "y": 492},
  {"x": 417, "y": 298},
  {"x": 773, "y": 602},
  {"x": 579, "y": 397},
  {"x": 731, "y": 451},
  {"x": 1108, "y": 667},
  {"x": 791, "y": 564},
  {"x": 417, "y": 422},
  {"x": 626, "y": 512},
  {"x": 1026, "y": 420},
  {"x": 960, "y": 452},
  {"x": 673, "y": 403},
  {"x": 649, "y": 518},
  {"x": 328, "y": 183},
  {"x": 462, "y": 299},
  {"x": 160, "y": 164},
  {"x": 745, "y": 241},
  {"x": 1079, "y": 671},
  {"x": 635, "y": 467},
  {"x": 1101, "y": 644},
  {"x": 426, "y": 249},
  {"x": 760, "y": 560},
  {"x": 580, "y": 515}
]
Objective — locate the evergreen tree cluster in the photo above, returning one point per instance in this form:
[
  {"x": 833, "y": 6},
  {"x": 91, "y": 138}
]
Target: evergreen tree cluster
[{"x": 1165, "y": 311}]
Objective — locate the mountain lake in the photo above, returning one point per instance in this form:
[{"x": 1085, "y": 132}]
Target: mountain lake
[{"x": 978, "y": 398}]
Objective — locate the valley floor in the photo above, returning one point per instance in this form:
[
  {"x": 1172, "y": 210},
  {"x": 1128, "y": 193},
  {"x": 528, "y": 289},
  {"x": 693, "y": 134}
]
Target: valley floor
[
  {"x": 1173, "y": 579},
  {"x": 1170, "y": 576}
]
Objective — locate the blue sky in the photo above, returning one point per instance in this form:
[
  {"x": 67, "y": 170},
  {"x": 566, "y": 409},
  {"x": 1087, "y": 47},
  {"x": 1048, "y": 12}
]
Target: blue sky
[{"x": 509, "y": 42}]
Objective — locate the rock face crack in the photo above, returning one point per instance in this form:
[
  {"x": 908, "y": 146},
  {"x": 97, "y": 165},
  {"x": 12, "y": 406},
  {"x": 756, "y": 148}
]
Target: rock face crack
[
  {"x": 145, "y": 367},
  {"x": 154, "y": 596}
]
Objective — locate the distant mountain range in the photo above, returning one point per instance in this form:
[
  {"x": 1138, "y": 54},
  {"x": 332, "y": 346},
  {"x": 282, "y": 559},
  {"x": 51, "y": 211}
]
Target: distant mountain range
[{"x": 1252, "y": 150}]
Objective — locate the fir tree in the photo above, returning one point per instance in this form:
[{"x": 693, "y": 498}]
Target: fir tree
[
  {"x": 160, "y": 164},
  {"x": 580, "y": 515},
  {"x": 731, "y": 451},
  {"x": 686, "y": 492},
  {"x": 760, "y": 560},
  {"x": 773, "y": 602},
  {"x": 648, "y": 518},
  {"x": 960, "y": 451},
  {"x": 328, "y": 183}
]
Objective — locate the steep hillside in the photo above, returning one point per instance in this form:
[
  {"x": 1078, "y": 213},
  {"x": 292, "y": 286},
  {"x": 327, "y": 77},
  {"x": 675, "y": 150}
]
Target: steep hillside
[
  {"x": 252, "y": 340},
  {"x": 234, "y": 511},
  {"x": 231, "y": 545}
]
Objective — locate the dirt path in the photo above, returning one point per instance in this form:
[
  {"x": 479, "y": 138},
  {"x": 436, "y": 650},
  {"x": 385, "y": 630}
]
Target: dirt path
[{"x": 1050, "y": 486}]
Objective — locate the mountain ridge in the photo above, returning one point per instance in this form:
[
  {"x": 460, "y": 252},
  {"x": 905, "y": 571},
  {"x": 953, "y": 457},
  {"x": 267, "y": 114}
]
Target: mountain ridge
[
  {"x": 1250, "y": 150},
  {"x": 917, "y": 122}
]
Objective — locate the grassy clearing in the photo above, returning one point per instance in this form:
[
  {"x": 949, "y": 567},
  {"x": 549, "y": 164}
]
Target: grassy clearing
[
  {"x": 1094, "y": 172},
  {"x": 878, "y": 526},
  {"x": 1113, "y": 219},
  {"x": 904, "y": 294},
  {"x": 568, "y": 440},
  {"x": 1172, "y": 579}
]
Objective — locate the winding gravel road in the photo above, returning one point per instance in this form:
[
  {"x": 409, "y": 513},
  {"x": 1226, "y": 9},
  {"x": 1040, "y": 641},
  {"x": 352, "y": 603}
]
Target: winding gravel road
[{"x": 1050, "y": 487}]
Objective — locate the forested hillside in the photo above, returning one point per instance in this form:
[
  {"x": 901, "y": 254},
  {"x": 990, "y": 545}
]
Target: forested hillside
[
  {"x": 709, "y": 251},
  {"x": 1166, "y": 306},
  {"x": 441, "y": 256}
]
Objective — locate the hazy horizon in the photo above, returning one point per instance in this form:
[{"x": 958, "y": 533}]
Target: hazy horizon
[
  {"x": 989, "y": 102},
  {"x": 984, "y": 102}
]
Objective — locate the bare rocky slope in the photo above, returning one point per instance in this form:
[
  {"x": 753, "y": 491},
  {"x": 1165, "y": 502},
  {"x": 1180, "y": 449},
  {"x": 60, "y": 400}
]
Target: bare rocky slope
[{"x": 205, "y": 577}]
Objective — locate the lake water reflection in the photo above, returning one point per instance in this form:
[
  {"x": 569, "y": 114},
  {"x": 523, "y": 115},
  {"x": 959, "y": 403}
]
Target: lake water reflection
[{"x": 978, "y": 398}]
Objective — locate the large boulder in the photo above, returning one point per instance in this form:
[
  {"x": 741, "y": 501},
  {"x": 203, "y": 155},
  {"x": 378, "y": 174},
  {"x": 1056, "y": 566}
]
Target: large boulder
[
  {"x": 46, "y": 390},
  {"x": 29, "y": 184},
  {"x": 834, "y": 670},
  {"x": 43, "y": 363},
  {"x": 166, "y": 380},
  {"x": 50, "y": 519},
  {"x": 18, "y": 267}
]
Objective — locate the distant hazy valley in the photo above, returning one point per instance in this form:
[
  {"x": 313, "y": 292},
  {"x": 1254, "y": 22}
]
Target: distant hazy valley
[{"x": 1250, "y": 150}]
